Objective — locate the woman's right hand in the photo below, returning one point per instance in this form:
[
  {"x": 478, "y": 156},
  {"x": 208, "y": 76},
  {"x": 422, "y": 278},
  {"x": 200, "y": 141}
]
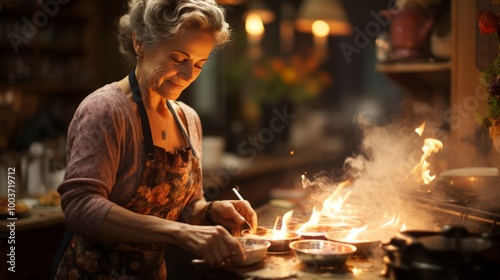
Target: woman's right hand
[{"x": 214, "y": 244}]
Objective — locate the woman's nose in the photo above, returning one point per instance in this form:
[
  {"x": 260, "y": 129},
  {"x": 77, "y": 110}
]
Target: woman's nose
[{"x": 188, "y": 72}]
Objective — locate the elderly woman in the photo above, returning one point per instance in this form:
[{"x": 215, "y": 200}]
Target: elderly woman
[{"x": 133, "y": 178}]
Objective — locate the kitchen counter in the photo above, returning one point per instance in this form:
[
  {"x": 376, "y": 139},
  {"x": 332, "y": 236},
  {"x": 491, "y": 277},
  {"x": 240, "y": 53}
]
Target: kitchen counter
[
  {"x": 38, "y": 217},
  {"x": 287, "y": 265},
  {"x": 34, "y": 241}
]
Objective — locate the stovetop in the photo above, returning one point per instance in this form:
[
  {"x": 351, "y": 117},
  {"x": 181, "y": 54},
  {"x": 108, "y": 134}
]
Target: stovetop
[
  {"x": 477, "y": 214},
  {"x": 442, "y": 209}
]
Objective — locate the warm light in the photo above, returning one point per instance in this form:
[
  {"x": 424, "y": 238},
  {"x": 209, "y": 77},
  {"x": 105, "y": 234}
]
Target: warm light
[
  {"x": 392, "y": 222},
  {"x": 331, "y": 12},
  {"x": 353, "y": 234},
  {"x": 254, "y": 25},
  {"x": 313, "y": 220},
  {"x": 420, "y": 130},
  {"x": 403, "y": 227},
  {"x": 255, "y": 31},
  {"x": 333, "y": 203},
  {"x": 421, "y": 170},
  {"x": 320, "y": 28},
  {"x": 282, "y": 233},
  {"x": 357, "y": 271},
  {"x": 292, "y": 152}
]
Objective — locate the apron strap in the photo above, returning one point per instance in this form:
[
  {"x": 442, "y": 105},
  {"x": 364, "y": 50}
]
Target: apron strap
[
  {"x": 177, "y": 120},
  {"x": 146, "y": 129},
  {"x": 60, "y": 251}
]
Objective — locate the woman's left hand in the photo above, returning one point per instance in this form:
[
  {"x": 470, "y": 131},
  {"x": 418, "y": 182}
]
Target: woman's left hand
[{"x": 232, "y": 214}]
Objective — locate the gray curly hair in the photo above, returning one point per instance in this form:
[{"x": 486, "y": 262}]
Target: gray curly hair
[{"x": 155, "y": 20}]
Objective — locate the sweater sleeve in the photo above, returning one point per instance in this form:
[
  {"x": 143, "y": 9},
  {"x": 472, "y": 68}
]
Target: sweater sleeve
[{"x": 93, "y": 155}]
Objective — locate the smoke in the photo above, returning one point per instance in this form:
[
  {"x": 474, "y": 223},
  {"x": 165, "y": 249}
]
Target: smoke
[{"x": 379, "y": 173}]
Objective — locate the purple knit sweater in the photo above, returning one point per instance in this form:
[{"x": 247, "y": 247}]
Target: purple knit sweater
[{"x": 105, "y": 157}]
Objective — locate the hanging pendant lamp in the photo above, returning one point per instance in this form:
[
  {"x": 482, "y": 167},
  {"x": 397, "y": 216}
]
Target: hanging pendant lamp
[{"x": 330, "y": 12}]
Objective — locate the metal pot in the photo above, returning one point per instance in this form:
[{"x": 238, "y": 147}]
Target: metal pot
[
  {"x": 453, "y": 253},
  {"x": 481, "y": 182},
  {"x": 322, "y": 253},
  {"x": 366, "y": 242}
]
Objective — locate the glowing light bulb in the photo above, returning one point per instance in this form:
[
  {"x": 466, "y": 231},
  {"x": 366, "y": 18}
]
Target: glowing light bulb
[
  {"x": 254, "y": 25},
  {"x": 320, "y": 28}
]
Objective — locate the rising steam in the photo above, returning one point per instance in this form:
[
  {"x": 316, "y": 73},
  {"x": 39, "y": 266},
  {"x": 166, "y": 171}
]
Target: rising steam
[{"x": 379, "y": 173}]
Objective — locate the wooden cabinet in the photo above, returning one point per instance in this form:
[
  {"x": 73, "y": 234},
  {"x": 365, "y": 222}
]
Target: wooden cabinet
[
  {"x": 43, "y": 47},
  {"x": 456, "y": 82},
  {"x": 471, "y": 141},
  {"x": 48, "y": 59},
  {"x": 423, "y": 80}
]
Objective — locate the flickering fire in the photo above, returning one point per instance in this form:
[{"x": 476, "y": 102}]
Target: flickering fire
[
  {"x": 394, "y": 223},
  {"x": 431, "y": 145},
  {"x": 420, "y": 130},
  {"x": 313, "y": 220},
  {"x": 333, "y": 204},
  {"x": 353, "y": 233},
  {"x": 282, "y": 233}
]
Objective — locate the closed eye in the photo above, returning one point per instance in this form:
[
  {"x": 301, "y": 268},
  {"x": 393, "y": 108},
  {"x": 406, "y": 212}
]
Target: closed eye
[{"x": 178, "y": 61}]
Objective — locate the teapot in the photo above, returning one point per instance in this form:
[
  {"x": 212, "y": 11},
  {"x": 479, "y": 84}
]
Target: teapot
[{"x": 410, "y": 31}]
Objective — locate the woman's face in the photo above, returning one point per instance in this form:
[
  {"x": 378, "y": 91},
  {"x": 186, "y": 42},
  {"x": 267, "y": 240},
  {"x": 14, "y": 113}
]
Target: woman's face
[{"x": 174, "y": 64}]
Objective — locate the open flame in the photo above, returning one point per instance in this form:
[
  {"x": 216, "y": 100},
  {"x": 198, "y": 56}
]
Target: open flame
[
  {"x": 282, "y": 233},
  {"x": 333, "y": 203},
  {"x": 353, "y": 233},
  {"x": 420, "y": 130},
  {"x": 431, "y": 145},
  {"x": 313, "y": 220},
  {"x": 394, "y": 223}
]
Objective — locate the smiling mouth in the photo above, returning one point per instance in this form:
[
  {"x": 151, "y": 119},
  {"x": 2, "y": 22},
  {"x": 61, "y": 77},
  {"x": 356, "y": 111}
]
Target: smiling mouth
[{"x": 176, "y": 85}]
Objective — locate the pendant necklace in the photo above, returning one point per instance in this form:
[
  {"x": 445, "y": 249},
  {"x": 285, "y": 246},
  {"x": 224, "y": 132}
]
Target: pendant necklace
[
  {"x": 164, "y": 131},
  {"x": 164, "y": 134}
]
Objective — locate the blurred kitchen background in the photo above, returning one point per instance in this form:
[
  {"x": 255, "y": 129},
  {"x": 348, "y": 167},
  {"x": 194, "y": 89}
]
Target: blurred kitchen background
[
  {"x": 316, "y": 65},
  {"x": 279, "y": 103}
]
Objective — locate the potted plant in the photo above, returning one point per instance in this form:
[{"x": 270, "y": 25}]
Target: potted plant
[{"x": 489, "y": 114}]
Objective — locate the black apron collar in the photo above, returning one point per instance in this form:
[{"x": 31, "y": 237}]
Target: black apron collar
[{"x": 146, "y": 129}]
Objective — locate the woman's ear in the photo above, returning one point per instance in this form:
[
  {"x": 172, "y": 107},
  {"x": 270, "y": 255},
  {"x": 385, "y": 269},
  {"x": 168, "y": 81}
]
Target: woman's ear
[{"x": 137, "y": 45}]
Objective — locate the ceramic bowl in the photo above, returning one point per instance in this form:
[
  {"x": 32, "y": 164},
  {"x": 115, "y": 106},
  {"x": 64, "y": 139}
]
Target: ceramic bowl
[
  {"x": 322, "y": 253},
  {"x": 255, "y": 250},
  {"x": 278, "y": 245},
  {"x": 366, "y": 242}
]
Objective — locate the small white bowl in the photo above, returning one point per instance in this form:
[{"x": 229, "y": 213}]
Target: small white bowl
[{"x": 255, "y": 250}]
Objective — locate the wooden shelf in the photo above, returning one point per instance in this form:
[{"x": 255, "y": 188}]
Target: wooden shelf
[
  {"x": 45, "y": 88},
  {"x": 400, "y": 67}
]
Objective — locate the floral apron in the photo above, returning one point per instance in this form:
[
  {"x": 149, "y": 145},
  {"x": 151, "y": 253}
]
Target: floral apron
[{"x": 168, "y": 182}]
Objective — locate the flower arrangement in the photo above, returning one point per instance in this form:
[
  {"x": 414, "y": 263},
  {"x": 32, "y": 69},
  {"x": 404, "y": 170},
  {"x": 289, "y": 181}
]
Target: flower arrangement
[
  {"x": 297, "y": 78},
  {"x": 489, "y": 78}
]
